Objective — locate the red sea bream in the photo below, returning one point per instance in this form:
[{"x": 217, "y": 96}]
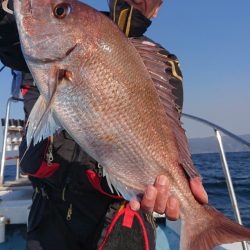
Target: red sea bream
[{"x": 113, "y": 97}]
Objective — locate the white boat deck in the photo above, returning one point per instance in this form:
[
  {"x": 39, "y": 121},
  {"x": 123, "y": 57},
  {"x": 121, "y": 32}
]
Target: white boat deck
[{"x": 15, "y": 203}]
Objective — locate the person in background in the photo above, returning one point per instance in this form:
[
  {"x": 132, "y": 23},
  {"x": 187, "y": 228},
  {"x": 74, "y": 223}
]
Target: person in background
[{"x": 72, "y": 206}]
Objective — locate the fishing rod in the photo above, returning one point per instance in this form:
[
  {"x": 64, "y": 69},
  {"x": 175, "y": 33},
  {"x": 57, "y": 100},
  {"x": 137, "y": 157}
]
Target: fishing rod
[{"x": 3, "y": 67}]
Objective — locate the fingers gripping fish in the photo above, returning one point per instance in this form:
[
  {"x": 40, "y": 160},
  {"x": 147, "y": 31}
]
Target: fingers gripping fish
[{"x": 113, "y": 97}]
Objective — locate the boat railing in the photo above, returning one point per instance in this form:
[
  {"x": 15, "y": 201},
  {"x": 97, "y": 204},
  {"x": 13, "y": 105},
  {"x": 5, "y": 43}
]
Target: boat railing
[
  {"x": 8, "y": 130},
  {"x": 218, "y": 130}
]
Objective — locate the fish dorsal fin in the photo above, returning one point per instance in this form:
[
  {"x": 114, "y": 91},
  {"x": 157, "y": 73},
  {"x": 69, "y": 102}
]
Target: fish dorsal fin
[{"x": 159, "y": 65}]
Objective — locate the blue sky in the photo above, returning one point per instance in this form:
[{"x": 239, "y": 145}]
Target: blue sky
[{"x": 211, "y": 40}]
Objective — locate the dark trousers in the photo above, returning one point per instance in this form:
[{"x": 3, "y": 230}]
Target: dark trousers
[{"x": 52, "y": 225}]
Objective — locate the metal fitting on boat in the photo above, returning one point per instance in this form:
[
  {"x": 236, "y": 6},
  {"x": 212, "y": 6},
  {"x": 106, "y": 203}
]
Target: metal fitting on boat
[{"x": 2, "y": 229}]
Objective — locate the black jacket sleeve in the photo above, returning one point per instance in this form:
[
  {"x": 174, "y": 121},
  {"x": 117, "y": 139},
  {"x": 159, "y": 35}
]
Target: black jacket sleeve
[
  {"x": 10, "y": 49},
  {"x": 31, "y": 159}
]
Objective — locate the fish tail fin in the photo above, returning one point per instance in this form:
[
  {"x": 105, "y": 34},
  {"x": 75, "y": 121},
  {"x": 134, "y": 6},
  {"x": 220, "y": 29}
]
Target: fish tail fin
[{"x": 212, "y": 230}]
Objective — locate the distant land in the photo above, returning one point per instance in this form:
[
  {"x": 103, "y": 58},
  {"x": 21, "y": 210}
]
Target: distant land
[{"x": 210, "y": 144}]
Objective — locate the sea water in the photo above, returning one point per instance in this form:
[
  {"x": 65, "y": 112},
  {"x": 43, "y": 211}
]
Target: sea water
[{"x": 210, "y": 167}]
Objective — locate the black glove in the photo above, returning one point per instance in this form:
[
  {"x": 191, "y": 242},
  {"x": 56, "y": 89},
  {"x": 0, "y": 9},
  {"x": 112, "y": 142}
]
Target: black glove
[{"x": 130, "y": 20}]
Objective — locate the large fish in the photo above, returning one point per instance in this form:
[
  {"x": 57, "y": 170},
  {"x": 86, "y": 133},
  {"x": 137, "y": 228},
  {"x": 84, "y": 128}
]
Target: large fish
[{"x": 114, "y": 98}]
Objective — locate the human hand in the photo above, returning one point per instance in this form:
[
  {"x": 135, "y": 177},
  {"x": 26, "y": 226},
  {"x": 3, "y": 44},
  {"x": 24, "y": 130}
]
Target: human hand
[{"x": 156, "y": 200}]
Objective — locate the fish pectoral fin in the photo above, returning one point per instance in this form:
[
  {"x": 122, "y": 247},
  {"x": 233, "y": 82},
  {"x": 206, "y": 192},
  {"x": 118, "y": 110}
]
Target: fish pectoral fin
[
  {"x": 34, "y": 118},
  {"x": 212, "y": 229},
  {"x": 41, "y": 122}
]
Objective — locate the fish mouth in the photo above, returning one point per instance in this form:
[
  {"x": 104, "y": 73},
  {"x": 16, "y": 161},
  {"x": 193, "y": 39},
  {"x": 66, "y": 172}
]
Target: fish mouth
[{"x": 34, "y": 59}]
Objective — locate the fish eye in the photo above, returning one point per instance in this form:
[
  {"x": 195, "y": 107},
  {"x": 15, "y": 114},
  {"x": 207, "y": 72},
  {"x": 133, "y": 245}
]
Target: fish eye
[{"x": 62, "y": 10}]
